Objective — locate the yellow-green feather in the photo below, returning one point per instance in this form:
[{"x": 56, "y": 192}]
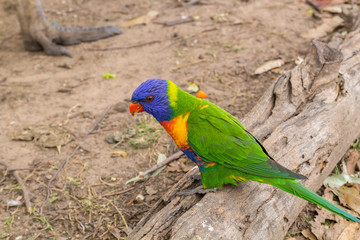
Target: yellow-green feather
[{"x": 173, "y": 94}]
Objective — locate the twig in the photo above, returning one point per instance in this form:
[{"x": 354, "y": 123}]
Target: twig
[
  {"x": 107, "y": 230},
  {"x": 344, "y": 168},
  {"x": 122, "y": 216},
  {"x": 179, "y": 21},
  {"x": 30, "y": 175},
  {"x": 110, "y": 184},
  {"x": 97, "y": 227},
  {"x": 192, "y": 2},
  {"x": 73, "y": 153},
  {"x": 125, "y": 47},
  {"x": 36, "y": 236},
  {"x": 23, "y": 187},
  {"x": 163, "y": 163},
  {"x": 19, "y": 169},
  {"x": 117, "y": 193},
  {"x": 313, "y": 5},
  {"x": 185, "y": 4}
]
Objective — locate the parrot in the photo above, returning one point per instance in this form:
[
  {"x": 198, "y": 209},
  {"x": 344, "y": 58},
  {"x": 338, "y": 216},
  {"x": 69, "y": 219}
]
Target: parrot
[{"x": 224, "y": 151}]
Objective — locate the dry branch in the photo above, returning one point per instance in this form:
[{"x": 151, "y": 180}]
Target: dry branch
[
  {"x": 168, "y": 160},
  {"x": 117, "y": 193},
  {"x": 24, "y": 189},
  {"x": 306, "y": 120}
]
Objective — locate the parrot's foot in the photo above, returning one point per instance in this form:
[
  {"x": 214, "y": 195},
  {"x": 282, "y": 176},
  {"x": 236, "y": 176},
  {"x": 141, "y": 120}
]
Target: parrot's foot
[{"x": 198, "y": 190}]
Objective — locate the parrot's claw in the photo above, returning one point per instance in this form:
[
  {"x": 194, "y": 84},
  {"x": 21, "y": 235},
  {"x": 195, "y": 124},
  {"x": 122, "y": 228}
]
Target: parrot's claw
[{"x": 197, "y": 190}]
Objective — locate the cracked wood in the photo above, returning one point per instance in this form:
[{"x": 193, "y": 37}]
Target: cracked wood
[{"x": 307, "y": 120}]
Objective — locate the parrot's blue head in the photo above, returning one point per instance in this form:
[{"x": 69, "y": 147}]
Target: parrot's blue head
[{"x": 152, "y": 96}]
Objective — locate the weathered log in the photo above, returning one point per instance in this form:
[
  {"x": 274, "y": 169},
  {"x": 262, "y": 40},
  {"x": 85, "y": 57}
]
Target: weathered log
[{"x": 306, "y": 120}]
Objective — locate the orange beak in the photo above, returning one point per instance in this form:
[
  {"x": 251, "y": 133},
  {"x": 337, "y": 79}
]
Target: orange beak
[{"x": 135, "y": 108}]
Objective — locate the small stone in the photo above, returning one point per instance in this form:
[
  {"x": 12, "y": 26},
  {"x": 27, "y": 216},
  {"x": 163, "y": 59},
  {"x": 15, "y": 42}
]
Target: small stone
[
  {"x": 139, "y": 198},
  {"x": 121, "y": 107},
  {"x": 114, "y": 137}
]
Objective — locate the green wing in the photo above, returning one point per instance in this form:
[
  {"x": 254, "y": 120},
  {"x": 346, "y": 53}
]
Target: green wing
[{"x": 216, "y": 136}]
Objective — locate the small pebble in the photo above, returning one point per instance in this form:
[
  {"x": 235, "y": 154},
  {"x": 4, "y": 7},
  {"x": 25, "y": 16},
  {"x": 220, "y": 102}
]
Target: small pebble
[
  {"x": 139, "y": 198},
  {"x": 121, "y": 107}
]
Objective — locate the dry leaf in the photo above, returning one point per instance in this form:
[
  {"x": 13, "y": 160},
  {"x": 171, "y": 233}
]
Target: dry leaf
[
  {"x": 351, "y": 197},
  {"x": 353, "y": 160},
  {"x": 116, "y": 233},
  {"x": 332, "y": 229},
  {"x": 174, "y": 167},
  {"x": 269, "y": 65},
  {"x": 326, "y": 231},
  {"x": 322, "y": 227},
  {"x": 119, "y": 153},
  {"x": 145, "y": 19},
  {"x": 354, "y": 185},
  {"x": 150, "y": 190},
  {"x": 193, "y": 87},
  {"x": 185, "y": 164},
  {"x": 308, "y": 234},
  {"x": 324, "y": 29},
  {"x": 185, "y": 167},
  {"x": 351, "y": 232},
  {"x": 339, "y": 180}
]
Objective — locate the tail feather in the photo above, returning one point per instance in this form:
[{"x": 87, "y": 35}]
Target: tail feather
[{"x": 295, "y": 188}]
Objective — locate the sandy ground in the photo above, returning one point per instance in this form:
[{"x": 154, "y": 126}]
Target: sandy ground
[{"x": 219, "y": 52}]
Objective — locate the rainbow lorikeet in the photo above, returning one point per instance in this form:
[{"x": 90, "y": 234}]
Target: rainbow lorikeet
[{"x": 222, "y": 148}]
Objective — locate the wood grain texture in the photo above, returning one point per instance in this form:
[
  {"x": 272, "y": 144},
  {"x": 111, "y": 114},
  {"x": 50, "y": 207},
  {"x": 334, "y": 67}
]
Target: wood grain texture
[{"x": 306, "y": 120}]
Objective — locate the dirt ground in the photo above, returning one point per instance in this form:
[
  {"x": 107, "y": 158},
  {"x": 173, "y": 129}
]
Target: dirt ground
[{"x": 57, "y": 99}]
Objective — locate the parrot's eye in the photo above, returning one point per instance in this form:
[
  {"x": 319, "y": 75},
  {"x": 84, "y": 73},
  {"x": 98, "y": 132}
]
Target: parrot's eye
[{"x": 149, "y": 98}]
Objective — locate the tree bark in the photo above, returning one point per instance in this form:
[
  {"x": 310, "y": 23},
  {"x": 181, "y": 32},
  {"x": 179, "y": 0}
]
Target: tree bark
[{"x": 306, "y": 120}]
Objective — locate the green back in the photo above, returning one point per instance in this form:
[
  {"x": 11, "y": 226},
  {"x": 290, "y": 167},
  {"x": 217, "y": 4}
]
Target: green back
[{"x": 216, "y": 136}]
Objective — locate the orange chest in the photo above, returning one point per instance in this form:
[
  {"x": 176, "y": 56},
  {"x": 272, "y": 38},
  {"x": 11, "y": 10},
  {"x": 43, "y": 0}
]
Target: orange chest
[{"x": 177, "y": 129}]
